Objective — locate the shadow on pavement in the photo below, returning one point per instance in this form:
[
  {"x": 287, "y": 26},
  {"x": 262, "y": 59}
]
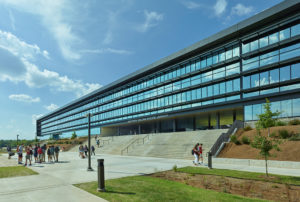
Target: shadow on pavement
[{"x": 117, "y": 192}]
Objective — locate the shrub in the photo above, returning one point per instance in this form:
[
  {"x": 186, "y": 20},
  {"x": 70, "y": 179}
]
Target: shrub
[
  {"x": 175, "y": 168},
  {"x": 247, "y": 128},
  {"x": 234, "y": 139},
  {"x": 280, "y": 123},
  {"x": 295, "y": 137},
  {"x": 273, "y": 135},
  {"x": 284, "y": 134},
  {"x": 245, "y": 140},
  {"x": 294, "y": 122}
]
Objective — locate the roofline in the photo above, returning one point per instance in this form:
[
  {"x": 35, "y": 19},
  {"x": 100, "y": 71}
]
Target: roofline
[{"x": 233, "y": 31}]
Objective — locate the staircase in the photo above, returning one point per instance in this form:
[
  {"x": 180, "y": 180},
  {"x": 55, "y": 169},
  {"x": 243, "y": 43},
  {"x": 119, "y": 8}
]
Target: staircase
[{"x": 177, "y": 145}]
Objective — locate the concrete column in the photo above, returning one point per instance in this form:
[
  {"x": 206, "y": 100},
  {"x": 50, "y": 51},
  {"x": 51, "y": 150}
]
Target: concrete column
[
  {"x": 140, "y": 129},
  {"x": 218, "y": 120},
  {"x": 174, "y": 125},
  {"x": 119, "y": 131}
]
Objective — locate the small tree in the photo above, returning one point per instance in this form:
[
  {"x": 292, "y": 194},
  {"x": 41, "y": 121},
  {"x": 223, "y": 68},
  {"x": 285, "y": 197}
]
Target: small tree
[
  {"x": 267, "y": 119},
  {"x": 265, "y": 145},
  {"x": 73, "y": 135}
]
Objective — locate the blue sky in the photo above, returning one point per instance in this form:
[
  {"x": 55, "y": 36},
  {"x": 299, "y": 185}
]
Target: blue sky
[{"x": 54, "y": 51}]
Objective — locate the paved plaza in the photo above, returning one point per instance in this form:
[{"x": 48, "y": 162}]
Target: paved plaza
[{"x": 54, "y": 182}]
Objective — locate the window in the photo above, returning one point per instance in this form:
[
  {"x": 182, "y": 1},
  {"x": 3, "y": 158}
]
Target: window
[
  {"x": 254, "y": 45},
  {"x": 209, "y": 91},
  {"x": 264, "y": 41},
  {"x": 204, "y": 92},
  {"x": 295, "y": 30},
  {"x": 229, "y": 87},
  {"x": 248, "y": 113},
  {"x": 209, "y": 61},
  {"x": 236, "y": 85},
  {"x": 285, "y": 34},
  {"x": 264, "y": 78},
  {"x": 295, "y": 71},
  {"x": 254, "y": 80},
  {"x": 285, "y": 73},
  {"x": 216, "y": 89},
  {"x": 274, "y": 76},
  {"x": 273, "y": 38}
]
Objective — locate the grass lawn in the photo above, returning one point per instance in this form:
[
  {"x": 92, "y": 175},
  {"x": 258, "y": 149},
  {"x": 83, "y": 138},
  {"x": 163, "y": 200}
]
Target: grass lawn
[
  {"x": 145, "y": 188},
  {"x": 241, "y": 174},
  {"x": 15, "y": 171}
]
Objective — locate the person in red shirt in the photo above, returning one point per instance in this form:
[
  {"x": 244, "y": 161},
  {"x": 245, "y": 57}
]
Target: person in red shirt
[
  {"x": 40, "y": 154},
  {"x": 200, "y": 153}
]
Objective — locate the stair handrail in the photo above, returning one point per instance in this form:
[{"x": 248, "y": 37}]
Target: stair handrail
[
  {"x": 108, "y": 140},
  {"x": 136, "y": 140},
  {"x": 224, "y": 137}
]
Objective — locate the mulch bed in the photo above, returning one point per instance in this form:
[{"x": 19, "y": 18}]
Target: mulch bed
[{"x": 243, "y": 187}]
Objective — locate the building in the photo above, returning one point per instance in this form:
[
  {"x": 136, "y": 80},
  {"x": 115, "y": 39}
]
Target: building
[{"x": 210, "y": 84}]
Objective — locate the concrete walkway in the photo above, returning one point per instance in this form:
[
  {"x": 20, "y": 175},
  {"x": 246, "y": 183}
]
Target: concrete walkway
[{"x": 54, "y": 183}]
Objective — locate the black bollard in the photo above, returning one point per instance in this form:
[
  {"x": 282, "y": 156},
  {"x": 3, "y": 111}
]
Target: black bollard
[
  {"x": 101, "y": 180},
  {"x": 209, "y": 160}
]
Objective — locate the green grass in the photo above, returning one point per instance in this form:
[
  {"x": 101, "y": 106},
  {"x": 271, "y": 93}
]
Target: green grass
[
  {"x": 242, "y": 175},
  {"x": 15, "y": 171},
  {"x": 145, "y": 188}
]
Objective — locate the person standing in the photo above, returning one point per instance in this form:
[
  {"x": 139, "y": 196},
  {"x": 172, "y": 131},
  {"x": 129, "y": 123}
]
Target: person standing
[
  {"x": 20, "y": 154},
  {"x": 56, "y": 150},
  {"x": 40, "y": 154},
  {"x": 35, "y": 153},
  {"x": 8, "y": 148},
  {"x": 98, "y": 143},
  {"x": 93, "y": 150},
  {"x": 27, "y": 157},
  {"x": 200, "y": 153},
  {"x": 195, "y": 152}
]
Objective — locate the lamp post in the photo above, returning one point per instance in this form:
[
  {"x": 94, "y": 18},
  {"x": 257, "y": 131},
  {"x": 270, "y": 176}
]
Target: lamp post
[
  {"x": 17, "y": 139},
  {"x": 89, "y": 141}
]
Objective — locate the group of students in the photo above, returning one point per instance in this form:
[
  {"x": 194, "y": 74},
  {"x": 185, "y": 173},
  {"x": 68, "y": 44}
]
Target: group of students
[
  {"x": 197, "y": 152},
  {"x": 38, "y": 152},
  {"x": 83, "y": 151}
]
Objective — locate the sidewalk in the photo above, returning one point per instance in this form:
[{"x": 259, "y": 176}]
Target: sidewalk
[{"x": 55, "y": 181}]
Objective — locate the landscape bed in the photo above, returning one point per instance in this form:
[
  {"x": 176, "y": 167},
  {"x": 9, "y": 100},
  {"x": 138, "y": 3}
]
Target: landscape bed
[{"x": 147, "y": 188}]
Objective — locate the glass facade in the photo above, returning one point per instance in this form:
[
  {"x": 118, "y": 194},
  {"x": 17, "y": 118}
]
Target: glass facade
[{"x": 265, "y": 64}]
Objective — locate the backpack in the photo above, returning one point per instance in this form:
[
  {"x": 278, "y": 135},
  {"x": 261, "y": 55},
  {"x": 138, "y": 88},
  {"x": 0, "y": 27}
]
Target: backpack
[{"x": 193, "y": 152}]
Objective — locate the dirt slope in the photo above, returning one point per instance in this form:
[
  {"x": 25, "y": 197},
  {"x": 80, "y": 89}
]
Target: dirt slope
[{"x": 290, "y": 150}]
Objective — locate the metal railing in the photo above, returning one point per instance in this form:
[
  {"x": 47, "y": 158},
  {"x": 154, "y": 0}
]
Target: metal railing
[
  {"x": 135, "y": 141},
  {"x": 225, "y": 136},
  {"x": 108, "y": 141}
]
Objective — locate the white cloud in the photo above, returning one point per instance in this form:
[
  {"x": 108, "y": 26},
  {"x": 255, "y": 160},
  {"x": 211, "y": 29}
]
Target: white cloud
[
  {"x": 15, "y": 66},
  {"x": 152, "y": 19},
  {"x": 107, "y": 50},
  {"x": 220, "y": 7},
  {"x": 20, "y": 48},
  {"x": 24, "y": 98},
  {"x": 56, "y": 16},
  {"x": 35, "y": 117},
  {"x": 241, "y": 10},
  {"x": 51, "y": 107},
  {"x": 191, "y": 4}
]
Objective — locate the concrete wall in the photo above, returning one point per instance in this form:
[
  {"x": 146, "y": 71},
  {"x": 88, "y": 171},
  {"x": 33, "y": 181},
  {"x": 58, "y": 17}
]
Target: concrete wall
[{"x": 107, "y": 131}]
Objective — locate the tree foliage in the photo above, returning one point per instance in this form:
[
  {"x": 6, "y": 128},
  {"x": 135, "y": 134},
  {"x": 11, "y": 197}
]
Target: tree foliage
[
  {"x": 74, "y": 135},
  {"x": 267, "y": 118},
  {"x": 262, "y": 143}
]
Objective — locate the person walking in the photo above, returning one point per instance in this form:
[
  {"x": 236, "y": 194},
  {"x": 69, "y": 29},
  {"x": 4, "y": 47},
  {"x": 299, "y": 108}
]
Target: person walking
[
  {"x": 98, "y": 143},
  {"x": 195, "y": 152},
  {"x": 31, "y": 152},
  {"x": 86, "y": 150},
  {"x": 93, "y": 150}
]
